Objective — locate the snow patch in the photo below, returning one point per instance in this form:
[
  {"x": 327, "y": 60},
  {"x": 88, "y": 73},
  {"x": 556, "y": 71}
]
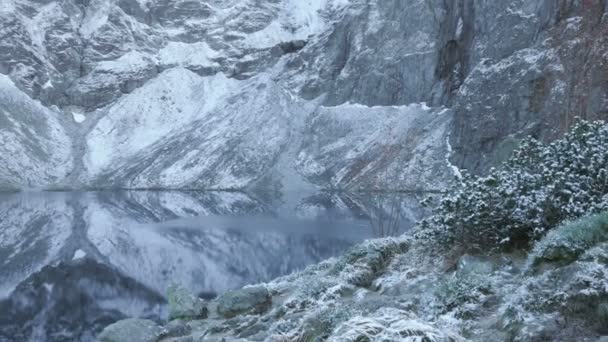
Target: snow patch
[
  {"x": 297, "y": 20},
  {"x": 79, "y": 254},
  {"x": 47, "y": 85},
  {"x": 131, "y": 61},
  {"x": 7, "y": 6},
  {"x": 96, "y": 17},
  {"x": 78, "y": 118},
  {"x": 183, "y": 54},
  {"x": 48, "y": 287},
  {"x": 448, "y": 155}
]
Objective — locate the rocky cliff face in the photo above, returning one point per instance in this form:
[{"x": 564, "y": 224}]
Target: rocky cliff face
[
  {"x": 532, "y": 68},
  {"x": 346, "y": 94}
]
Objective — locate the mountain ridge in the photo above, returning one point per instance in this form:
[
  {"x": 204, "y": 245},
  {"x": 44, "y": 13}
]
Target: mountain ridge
[{"x": 249, "y": 95}]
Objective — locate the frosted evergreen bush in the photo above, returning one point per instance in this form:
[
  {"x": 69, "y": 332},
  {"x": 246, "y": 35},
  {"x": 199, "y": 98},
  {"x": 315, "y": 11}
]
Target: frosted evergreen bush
[{"x": 533, "y": 192}]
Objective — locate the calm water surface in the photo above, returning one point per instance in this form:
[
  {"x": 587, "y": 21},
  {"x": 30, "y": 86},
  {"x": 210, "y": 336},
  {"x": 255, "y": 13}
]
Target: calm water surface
[{"x": 72, "y": 263}]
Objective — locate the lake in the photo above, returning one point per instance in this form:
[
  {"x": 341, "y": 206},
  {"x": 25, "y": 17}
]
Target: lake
[{"x": 73, "y": 262}]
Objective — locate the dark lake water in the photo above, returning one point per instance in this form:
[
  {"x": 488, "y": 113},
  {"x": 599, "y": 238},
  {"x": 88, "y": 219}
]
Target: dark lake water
[{"x": 72, "y": 263}]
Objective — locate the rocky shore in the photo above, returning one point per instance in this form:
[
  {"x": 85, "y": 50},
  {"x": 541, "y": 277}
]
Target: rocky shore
[{"x": 394, "y": 289}]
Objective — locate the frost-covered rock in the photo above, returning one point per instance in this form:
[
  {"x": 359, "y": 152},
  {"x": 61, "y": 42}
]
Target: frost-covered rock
[
  {"x": 176, "y": 329},
  {"x": 561, "y": 301},
  {"x": 249, "y": 300},
  {"x": 111, "y": 79},
  {"x": 133, "y": 329},
  {"x": 184, "y": 305}
]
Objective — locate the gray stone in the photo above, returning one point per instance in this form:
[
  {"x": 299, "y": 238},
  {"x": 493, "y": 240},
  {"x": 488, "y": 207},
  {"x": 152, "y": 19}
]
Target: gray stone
[
  {"x": 180, "y": 339},
  {"x": 185, "y": 305},
  {"x": 520, "y": 83},
  {"x": 177, "y": 328},
  {"x": 132, "y": 330},
  {"x": 249, "y": 300}
]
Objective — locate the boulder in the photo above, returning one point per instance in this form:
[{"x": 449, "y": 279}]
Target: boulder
[
  {"x": 132, "y": 330},
  {"x": 185, "y": 305},
  {"x": 177, "y": 328},
  {"x": 249, "y": 300}
]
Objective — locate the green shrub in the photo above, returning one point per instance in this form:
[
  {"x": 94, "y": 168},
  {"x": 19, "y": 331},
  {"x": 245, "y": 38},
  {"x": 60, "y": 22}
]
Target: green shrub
[
  {"x": 566, "y": 243},
  {"x": 533, "y": 192}
]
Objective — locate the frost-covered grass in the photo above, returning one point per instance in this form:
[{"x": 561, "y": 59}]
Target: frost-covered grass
[{"x": 389, "y": 324}]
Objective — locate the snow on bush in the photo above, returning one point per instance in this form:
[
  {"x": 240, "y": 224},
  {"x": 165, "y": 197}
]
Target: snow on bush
[{"x": 534, "y": 191}]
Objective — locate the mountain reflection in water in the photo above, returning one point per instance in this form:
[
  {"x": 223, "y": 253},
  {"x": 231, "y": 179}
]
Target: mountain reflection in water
[{"x": 72, "y": 263}]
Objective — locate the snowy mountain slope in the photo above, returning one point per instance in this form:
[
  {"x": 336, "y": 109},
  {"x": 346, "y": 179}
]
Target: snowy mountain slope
[
  {"x": 35, "y": 150},
  {"x": 359, "y": 147},
  {"x": 226, "y": 94},
  {"x": 191, "y": 132}
]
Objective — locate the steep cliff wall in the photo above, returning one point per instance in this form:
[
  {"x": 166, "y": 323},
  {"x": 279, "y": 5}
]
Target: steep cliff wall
[{"x": 534, "y": 67}]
